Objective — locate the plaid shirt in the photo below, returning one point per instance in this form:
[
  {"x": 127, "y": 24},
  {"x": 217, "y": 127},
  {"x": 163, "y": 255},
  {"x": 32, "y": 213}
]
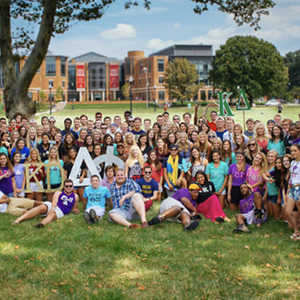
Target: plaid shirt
[{"x": 117, "y": 193}]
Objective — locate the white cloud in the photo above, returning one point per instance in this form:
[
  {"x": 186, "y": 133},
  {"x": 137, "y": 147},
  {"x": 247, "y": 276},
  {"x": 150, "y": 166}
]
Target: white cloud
[
  {"x": 122, "y": 31},
  {"x": 176, "y": 25},
  {"x": 156, "y": 44}
]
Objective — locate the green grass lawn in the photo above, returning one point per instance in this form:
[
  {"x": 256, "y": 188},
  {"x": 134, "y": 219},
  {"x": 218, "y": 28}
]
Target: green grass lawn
[
  {"x": 262, "y": 113},
  {"x": 70, "y": 260}
]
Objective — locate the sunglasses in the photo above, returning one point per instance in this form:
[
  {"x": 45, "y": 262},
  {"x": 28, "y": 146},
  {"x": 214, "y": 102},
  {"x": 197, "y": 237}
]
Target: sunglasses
[
  {"x": 251, "y": 145},
  {"x": 211, "y": 136},
  {"x": 176, "y": 119},
  {"x": 103, "y": 127},
  {"x": 200, "y": 121},
  {"x": 173, "y": 149},
  {"x": 148, "y": 172},
  {"x": 69, "y": 186},
  {"x": 98, "y": 117}
]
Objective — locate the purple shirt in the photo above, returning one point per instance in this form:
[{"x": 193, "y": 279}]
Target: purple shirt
[
  {"x": 6, "y": 186},
  {"x": 237, "y": 177},
  {"x": 184, "y": 193},
  {"x": 66, "y": 202},
  {"x": 104, "y": 182}
]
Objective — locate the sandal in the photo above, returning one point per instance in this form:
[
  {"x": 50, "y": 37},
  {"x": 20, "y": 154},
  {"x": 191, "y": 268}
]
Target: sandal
[{"x": 295, "y": 236}]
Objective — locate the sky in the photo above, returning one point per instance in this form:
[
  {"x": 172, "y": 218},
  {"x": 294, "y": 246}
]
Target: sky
[{"x": 171, "y": 22}]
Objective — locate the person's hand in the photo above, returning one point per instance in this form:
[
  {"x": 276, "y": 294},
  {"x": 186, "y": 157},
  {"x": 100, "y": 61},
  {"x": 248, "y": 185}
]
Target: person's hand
[
  {"x": 76, "y": 211},
  {"x": 218, "y": 193},
  {"x": 81, "y": 180},
  {"x": 178, "y": 182},
  {"x": 6, "y": 175},
  {"x": 229, "y": 198},
  {"x": 271, "y": 180},
  {"x": 122, "y": 200},
  {"x": 171, "y": 187},
  {"x": 193, "y": 213},
  {"x": 278, "y": 201},
  {"x": 15, "y": 195}
]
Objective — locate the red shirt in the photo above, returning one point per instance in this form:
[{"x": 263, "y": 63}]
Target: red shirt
[
  {"x": 38, "y": 175},
  {"x": 212, "y": 125},
  {"x": 155, "y": 175}
]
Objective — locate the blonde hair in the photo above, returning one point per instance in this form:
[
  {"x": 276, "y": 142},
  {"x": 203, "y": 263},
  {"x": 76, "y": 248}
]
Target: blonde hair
[
  {"x": 241, "y": 147},
  {"x": 217, "y": 139},
  {"x": 263, "y": 165},
  {"x": 131, "y": 160},
  {"x": 258, "y": 125},
  {"x": 203, "y": 147},
  {"x": 183, "y": 147},
  {"x": 57, "y": 154},
  {"x": 125, "y": 139},
  {"x": 38, "y": 159},
  {"x": 247, "y": 151}
]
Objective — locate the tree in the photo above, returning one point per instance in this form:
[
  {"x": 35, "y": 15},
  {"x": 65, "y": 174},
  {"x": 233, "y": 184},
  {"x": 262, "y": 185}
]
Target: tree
[
  {"x": 59, "y": 92},
  {"x": 55, "y": 16},
  {"x": 250, "y": 63},
  {"x": 126, "y": 90},
  {"x": 180, "y": 79},
  {"x": 292, "y": 61},
  {"x": 42, "y": 95}
]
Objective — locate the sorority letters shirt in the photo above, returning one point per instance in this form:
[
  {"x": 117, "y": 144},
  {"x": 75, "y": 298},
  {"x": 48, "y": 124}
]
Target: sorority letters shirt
[
  {"x": 205, "y": 191},
  {"x": 55, "y": 175},
  {"x": 6, "y": 183},
  {"x": 295, "y": 173},
  {"x": 66, "y": 202},
  {"x": 96, "y": 197},
  {"x": 217, "y": 175},
  {"x": 148, "y": 187},
  {"x": 237, "y": 177},
  {"x": 19, "y": 170},
  {"x": 184, "y": 193},
  {"x": 253, "y": 177}
]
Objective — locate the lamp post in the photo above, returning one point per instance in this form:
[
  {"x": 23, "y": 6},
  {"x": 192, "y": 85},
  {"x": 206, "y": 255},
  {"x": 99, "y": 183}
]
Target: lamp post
[
  {"x": 130, "y": 92},
  {"x": 155, "y": 87},
  {"x": 50, "y": 100},
  {"x": 146, "y": 72},
  {"x": 38, "y": 99}
]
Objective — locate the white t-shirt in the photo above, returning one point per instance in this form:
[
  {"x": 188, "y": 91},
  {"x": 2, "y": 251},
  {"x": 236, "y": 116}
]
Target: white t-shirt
[
  {"x": 295, "y": 173},
  {"x": 3, "y": 207}
]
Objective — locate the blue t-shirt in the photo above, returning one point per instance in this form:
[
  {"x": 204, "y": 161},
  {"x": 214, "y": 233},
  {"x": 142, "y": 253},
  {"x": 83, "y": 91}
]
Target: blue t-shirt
[
  {"x": 272, "y": 188},
  {"x": 55, "y": 175},
  {"x": 147, "y": 187},
  {"x": 217, "y": 176},
  {"x": 279, "y": 147},
  {"x": 96, "y": 197},
  {"x": 24, "y": 153},
  {"x": 220, "y": 134}
]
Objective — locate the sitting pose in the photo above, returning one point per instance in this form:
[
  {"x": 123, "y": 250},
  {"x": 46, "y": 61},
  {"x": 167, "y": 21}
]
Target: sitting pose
[
  {"x": 179, "y": 208},
  {"x": 128, "y": 203},
  {"x": 63, "y": 203},
  {"x": 94, "y": 198},
  {"x": 251, "y": 210}
]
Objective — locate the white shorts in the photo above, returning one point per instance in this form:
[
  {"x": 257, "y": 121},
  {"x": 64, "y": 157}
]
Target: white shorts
[
  {"x": 223, "y": 192},
  {"x": 22, "y": 194},
  {"x": 59, "y": 213},
  {"x": 100, "y": 211},
  {"x": 35, "y": 187},
  {"x": 249, "y": 217},
  {"x": 49, "y": 206},
  {"x": 169, "y": 203}
]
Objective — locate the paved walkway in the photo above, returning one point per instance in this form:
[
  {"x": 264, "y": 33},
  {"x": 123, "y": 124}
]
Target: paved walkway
[{"x": 56, "y": 108}]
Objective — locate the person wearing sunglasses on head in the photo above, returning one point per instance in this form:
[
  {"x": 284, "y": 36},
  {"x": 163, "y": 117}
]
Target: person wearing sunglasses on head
[{"x": 63, "y": 202}]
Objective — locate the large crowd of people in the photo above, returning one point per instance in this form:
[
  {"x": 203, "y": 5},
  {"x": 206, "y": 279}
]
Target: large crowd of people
[{"x": 200, "y": 165}]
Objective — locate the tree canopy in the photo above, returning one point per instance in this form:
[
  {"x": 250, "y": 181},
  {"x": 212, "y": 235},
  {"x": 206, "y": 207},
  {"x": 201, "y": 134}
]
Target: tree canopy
[
  {"x": 55, "y": 16},
  {"x": 181, "y": 79},
  {"x": 250, "y": 63},
  {"x": 292, "y": 61}
]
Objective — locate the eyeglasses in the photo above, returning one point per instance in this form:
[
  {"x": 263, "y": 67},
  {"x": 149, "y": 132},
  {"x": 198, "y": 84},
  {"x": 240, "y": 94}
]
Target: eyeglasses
[
  {"x": 175, "y": 119},
  {"x": 147, "y": 172},
  {"x": 68, "y": 186},
  {"x": 211, "y": 136},
  {"x": 51, "y": 121}
]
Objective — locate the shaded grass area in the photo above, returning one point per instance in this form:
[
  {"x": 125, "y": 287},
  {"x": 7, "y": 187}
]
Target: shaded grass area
[{"x": 70, "y": 260}]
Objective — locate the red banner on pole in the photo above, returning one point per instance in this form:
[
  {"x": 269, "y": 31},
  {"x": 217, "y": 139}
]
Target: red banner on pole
[
  {"x": 80, "y": 78},
  {"x": 114, "y": 76}
]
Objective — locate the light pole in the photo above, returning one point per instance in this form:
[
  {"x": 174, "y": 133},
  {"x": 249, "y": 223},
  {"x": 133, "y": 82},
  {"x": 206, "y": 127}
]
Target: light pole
[
  {"x": 130, "y": 92},
  {"x": 38, "y": 99},
  {"x": 146, "y": 72},
  {"x": 50, "y": 100},
  {"x": 155, "y": 87}
]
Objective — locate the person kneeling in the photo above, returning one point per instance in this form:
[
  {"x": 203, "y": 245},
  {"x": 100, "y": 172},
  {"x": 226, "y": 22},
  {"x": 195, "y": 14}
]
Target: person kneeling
[
  {"x": 251, "y": 210},
  {"x": 181, "y": 208},
  {"x": 94, "y": 198},
  {"x": 63, "y": 202}
]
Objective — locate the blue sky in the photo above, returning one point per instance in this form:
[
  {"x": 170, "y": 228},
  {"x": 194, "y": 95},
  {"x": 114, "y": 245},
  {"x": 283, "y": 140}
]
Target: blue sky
[{"x": 169, "y": 22}]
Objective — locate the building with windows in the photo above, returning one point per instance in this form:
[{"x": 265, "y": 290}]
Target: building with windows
[
  {"x": 200, "y": 55},
  {"x": 95, "y": 77},
  {"x": 145, "y": 76}
]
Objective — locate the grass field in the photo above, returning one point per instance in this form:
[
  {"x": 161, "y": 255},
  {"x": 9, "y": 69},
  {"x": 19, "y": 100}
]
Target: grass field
[
  {"x": 262, "y": 113},
  {"x": 71, "y": 260}
]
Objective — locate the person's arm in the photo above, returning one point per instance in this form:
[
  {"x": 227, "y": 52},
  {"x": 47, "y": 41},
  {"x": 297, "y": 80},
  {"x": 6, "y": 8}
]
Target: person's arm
[
  {"x": 196, "y": 115},
  {"x": 126, "y": 169},
  {"x": 75, "y": 209},
  {"x": 110, "y": 203},
  {"x": 229, "y": 188},
  {"x": 13, "y": 180},
  {"x": 224, "y": 185},
  {"x": 23, "y": 183},
  {"x": 126, "y": 196},
  {"x": 55, "y": 200},
  {"x": 187, "y": 203},
  {"x": 82, "y": 175},
  {"x": 206, "y": 108},
  {"x": 4, "y": 199}
]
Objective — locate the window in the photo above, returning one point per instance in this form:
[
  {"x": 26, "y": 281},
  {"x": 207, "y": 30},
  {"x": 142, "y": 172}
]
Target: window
[
  {"x": 161, "y": 79},
  {"x": 132, "y": 66},
  {"x": 50, "y": 66},
  {"x": 160, "y": 65},
  {"x": 149, "y": 66},
  {"x": 161, "y": 95},
  {"x": 141, "y": 68},
  {"x": 97, "y": 76},
  {"x": 140, "y": 82},
  {"x": 149, "y": 80},
  {"x": 62, "y": 67},
  {"x": 63, "y": 84},
  {"x": 51, "y": 83}
]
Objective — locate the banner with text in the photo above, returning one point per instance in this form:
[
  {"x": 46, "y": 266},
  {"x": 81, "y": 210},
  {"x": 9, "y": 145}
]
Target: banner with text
[
  {"x": 80, "y": 78},
  {"x": 114, "y": 76}
]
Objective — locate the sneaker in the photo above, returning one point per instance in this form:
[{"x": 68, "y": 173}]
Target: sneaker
[
  {"x": 93, "y": 216},
  {"x": 154, "y": 221},
  {"x": 258, "y": 224},
  {"x": 192, "y": 226},
  {"x": 87, "y": 217},
  {"x": 242, "y": 228},
  {"x": 39, "y": 225},
  {"x": 220, "y": 220},
  {"x": 134, "y": 226}
]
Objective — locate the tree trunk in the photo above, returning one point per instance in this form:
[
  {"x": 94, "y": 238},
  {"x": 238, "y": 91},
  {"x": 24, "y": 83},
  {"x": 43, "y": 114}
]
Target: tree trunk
[{"x": 16, "y": 89}]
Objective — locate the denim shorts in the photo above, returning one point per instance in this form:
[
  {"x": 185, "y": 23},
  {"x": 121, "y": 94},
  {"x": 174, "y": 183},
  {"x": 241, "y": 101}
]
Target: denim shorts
[
  {"x": 294, "y": 193},
  {"x": 272, "y": 199}
]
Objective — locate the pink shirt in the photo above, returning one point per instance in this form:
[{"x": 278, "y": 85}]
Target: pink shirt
[{"x": 253, "y": 177}]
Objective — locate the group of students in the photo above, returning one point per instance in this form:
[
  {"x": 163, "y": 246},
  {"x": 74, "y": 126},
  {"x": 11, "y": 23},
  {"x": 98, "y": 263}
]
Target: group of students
[{"x": 255, "y": 171}]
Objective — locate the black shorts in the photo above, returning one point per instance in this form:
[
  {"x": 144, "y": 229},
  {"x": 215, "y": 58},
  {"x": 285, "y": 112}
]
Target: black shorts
[{"x": 236, "y": 195}]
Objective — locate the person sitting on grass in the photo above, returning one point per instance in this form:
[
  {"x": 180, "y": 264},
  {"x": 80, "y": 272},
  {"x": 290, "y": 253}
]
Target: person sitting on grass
[
  {"x": 94, "y": 198},
  {"x": 16, "y": 206},
  {"x": 251, "y": 210},
  {"x": 128, "y": 203},
  {"x": 180, "y": 208},
  {"x": 63, "y": 203}
]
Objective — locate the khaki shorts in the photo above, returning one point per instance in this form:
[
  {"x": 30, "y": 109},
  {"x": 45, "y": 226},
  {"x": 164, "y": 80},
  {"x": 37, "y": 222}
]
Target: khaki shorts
[{"x": 17, "y": 205}]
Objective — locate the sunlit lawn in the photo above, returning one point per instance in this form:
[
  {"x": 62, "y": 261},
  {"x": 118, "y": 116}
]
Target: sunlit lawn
[{"x": 70, "y": 260}]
